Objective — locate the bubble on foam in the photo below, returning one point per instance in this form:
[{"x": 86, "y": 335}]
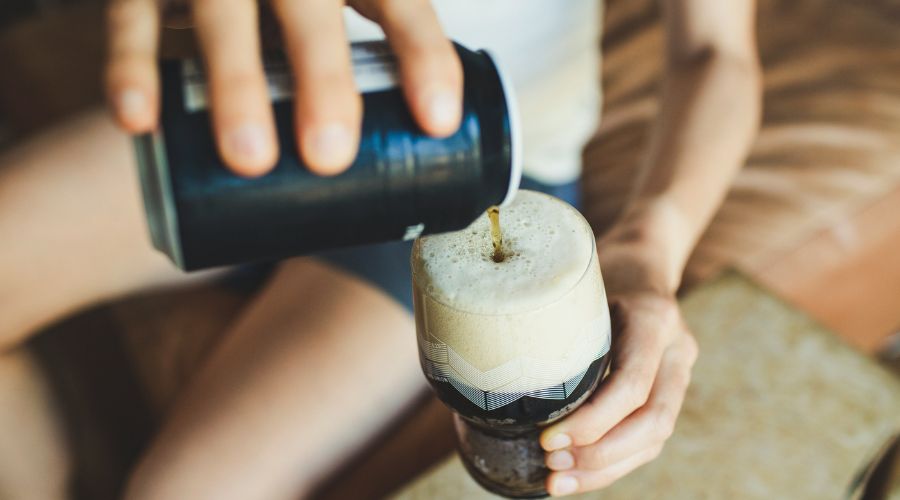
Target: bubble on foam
[{"x": 548, "y": 246}]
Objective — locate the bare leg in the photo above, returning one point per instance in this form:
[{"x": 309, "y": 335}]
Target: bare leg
[
  {"x": 71, "y": 234},
  {"x": 71, "y": 227},
  {"x": 313, "y": 368},
  {"x": 34, "y": 461},
  {"x": 318, "y": 363}
]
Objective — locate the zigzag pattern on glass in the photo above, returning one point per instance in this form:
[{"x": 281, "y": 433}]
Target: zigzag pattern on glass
[{"x": 504, "y": 384}]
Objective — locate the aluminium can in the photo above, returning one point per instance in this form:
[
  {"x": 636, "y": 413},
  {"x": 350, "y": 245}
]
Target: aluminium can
[{"x": 401, "y": 185}]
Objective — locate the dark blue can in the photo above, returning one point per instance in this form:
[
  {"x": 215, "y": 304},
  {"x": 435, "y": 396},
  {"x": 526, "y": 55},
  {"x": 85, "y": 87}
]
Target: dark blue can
[{"x": 401, "y": 185}]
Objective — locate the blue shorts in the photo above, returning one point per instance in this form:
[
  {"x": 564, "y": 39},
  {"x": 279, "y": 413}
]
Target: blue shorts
[{"x": 386, "y": 265}]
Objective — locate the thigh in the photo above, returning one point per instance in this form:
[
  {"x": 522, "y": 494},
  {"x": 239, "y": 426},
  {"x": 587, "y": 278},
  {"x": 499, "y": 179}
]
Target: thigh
[
  {"x": 34, "y": 457},
  {"x": 316, "y": 365},
  {"x": 72, "y": 226}
]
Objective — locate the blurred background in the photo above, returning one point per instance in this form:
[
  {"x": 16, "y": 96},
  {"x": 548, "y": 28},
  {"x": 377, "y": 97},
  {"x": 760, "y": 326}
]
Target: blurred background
[{"x": 813, "y": 219}]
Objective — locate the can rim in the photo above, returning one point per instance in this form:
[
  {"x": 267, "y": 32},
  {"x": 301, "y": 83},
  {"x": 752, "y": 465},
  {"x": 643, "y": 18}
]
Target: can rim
[
  {"x": 515, "y": 129},
  {"x": 159, "y": 205}
]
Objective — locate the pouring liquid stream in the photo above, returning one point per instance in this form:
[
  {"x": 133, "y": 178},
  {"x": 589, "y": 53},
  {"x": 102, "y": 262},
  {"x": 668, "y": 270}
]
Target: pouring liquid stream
[{"x": 496, "y": 235}]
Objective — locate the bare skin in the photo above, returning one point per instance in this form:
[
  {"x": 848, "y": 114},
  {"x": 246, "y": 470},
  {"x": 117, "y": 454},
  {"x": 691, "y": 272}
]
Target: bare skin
[
  {"x": 34, "y": 458},
  {"x": 247, "y": 401},
  {"x": 328, "y": 109},
  {"x": 72, "y": 227},
  {"x": 710, "y": 113},
  {"x": 278, "y": 388},
  {"x": 298, "y": 383}
]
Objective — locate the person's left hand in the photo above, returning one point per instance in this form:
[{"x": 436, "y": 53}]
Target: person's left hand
[{"x": 628, "y": 419}]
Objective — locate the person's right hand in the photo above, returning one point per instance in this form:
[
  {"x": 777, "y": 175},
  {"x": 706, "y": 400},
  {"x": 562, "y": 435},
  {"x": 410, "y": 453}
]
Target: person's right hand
[{"x": 328, "y": 108}]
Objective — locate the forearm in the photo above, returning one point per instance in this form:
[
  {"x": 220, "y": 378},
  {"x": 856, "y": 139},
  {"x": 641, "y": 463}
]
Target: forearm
[{"x": 709, "y": 115}]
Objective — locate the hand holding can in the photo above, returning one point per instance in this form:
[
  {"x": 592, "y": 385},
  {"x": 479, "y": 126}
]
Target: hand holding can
[
  {"x": 328, "y": 110},
  {"x": 402, "y": 184}
]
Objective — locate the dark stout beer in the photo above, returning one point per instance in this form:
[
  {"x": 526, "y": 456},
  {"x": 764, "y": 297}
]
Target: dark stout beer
[{"x": 525, "y": 411}]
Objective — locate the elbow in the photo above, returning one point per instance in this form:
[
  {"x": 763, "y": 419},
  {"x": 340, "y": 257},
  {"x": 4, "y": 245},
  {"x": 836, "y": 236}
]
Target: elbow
[
  {"x": 743, "y": 63},
  {"x": 747, "y": 72},
  {"x": 746, "y": 68},
  {"x": 738, "y": 70}
]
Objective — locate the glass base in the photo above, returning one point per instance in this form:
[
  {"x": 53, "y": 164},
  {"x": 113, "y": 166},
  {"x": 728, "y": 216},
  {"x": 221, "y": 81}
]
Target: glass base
[{"x": 505, "y": 462}]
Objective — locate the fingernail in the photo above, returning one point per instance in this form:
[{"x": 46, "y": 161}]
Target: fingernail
[
  {"x": 248, "y": 141},
  {"x": 563, "y": 485},
  {"x": 560, "y": 460},
  {"x": 132, "y": 104},
  {"x": 558, "y": 442},
  {"x": 332, "y": 146},
  {"x": 443, "y": 109}
]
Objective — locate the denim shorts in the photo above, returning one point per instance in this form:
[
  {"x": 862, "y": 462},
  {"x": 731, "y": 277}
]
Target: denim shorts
[{"x": 386, "y": 265}]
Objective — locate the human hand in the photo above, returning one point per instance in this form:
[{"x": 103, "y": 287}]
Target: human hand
[
  {"x": 628, "y": 419},
  {"x": 328, "y": 107}
]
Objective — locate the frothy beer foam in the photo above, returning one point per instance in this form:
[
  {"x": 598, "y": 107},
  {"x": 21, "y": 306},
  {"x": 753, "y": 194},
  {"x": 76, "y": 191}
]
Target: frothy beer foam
[
  {"x": 534, "y": 320},
  {"x": 547, "y": 244}
]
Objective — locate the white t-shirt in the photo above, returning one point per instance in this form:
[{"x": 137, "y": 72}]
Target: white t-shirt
[{"x": 550, "y": 49}]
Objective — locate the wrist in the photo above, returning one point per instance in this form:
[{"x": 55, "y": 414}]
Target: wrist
[{"x": 657, "y": 233}]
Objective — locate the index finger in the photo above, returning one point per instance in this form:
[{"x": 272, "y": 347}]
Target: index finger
[
  {"x": 637, "y": 357},
  {"x": 653, "y": 423}
]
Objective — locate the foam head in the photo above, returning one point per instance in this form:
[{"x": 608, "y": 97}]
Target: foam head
[
  {"x": 548, "y": 247},
  {"x": 533, "y": 321}
]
